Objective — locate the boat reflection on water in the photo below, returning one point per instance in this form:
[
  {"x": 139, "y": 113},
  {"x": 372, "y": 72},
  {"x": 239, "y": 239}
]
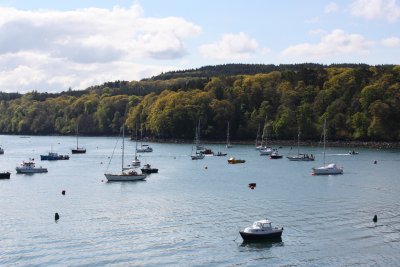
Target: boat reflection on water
[{"x": 263, "y": 244}]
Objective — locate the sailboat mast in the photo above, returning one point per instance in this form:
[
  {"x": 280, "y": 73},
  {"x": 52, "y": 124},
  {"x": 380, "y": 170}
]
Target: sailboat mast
[
  {"x": 123, "y": 146},
  {"x": 136, "y": 142},
  {"x": 298, "y": 142},
  {"x": 324, "y": 138},
  {"x": 77, "y": 129},
  {"x": 258, "y": 135},
  {"x": 227, "y": 135}
]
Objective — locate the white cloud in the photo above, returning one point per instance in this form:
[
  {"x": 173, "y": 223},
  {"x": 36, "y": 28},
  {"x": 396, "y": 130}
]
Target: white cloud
[
  {"x": 335, "y": 43},
  {"x": 392, "y": 42},
  {"x": 376, "y": 9},
  {"x": 331, "y": 8},
  {"x": 53, "y": 50},
  {"x": 233, "y": 47}
]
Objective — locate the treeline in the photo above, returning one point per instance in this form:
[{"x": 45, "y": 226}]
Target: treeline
[{"x": 359, "y": 102}]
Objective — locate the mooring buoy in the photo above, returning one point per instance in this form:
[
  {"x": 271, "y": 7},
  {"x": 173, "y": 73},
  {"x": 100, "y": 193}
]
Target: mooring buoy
[
  {"x": 56, "y": 216},
  {"x": 375, "y": 219},
  {"x": 63, "y": 192}
]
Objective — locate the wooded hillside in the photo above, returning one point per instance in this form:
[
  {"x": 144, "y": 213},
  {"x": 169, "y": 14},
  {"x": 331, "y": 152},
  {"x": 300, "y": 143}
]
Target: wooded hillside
[{"x": 359, "y": 102}]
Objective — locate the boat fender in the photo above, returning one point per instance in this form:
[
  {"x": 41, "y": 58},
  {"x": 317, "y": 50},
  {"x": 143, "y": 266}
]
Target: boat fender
[
  {"x": 63, "y": 192},
  {"x": 375, "y": 219},
  {"x": 56, "y": 216}
]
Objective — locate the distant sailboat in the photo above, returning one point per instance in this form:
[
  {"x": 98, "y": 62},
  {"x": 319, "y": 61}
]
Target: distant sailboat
[
  {"x": 265, "y": 150},
  {"x": 197, "y": 150},
  {"x": 331, "y": 168},
  {"x": 300, "y": 157},
  {"x": 228, "y": 143},
  {"x": 125, "y": 174},
  {"x": 136, "y": 161},
  {"x": 143, "y": 148},
  {"x": 78, "y": 150}
]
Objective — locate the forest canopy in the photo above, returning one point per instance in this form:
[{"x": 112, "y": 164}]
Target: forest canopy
[{"x": 359, "y": 102}]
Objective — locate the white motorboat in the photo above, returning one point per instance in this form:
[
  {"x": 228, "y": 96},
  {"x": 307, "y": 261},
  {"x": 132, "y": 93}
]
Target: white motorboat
[
  {"x": 265, "y": 151},
  {"x": 30, "y": 167},
  {"x": 261, "y": 230},
  {"x": 125, "y": 174},
  {"x": 329, "y": 169},
  {"x": 198, "y": 155}
]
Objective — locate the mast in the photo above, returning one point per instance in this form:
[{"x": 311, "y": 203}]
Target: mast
[
  {"x": 227, "y": 136},
  {"x": 258, "y": 135},
  {"x": 324, "y": 138},
  {"x": 298, "y": 142},
  {"x": 136, "y": 142},
  {"x": 264, "y": 132},
  {"x": 77, "y": 129},
  {"x": 123, "y": 147}
]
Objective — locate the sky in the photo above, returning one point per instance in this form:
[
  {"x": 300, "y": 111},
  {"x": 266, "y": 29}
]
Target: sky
[{"x": 51, "y": 46}]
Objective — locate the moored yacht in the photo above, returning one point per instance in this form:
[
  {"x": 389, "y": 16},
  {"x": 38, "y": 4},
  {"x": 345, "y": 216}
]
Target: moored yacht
[
  {"x": 327, "y": 169},
  {"x": 261, "y": 230}
]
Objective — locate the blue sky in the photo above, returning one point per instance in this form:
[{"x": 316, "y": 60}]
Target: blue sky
[{"x": 55, "y": 45}]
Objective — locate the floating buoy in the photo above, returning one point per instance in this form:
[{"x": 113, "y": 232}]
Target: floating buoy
[
  {"x": 375, "y": 219},
  {"x": 206, "y": 167},
  {"x": 63, "y": 192},
  {"x": 375, "y": 162},
  {"x": 56, "y": 216}
]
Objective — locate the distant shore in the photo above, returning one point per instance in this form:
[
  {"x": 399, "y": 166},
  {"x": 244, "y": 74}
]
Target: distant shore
[{"x": 293, "y": 143}]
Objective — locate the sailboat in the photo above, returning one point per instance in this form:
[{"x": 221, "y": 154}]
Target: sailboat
[
  {"x": 198, "y": 149},
  {"x": 136, "y": 161},
  {"x": 300, "y": 157},
  {"x": 78, "y": 150},
  {"x": 228, "y": 143},
  {"x": 143, "y": 148},
  {"x": 331, "y": 168},
  {"x": 265, "y": 149},
  {"x": 126, "y": 174}
]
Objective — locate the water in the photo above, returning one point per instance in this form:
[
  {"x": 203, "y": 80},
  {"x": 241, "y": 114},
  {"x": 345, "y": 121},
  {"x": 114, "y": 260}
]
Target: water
[{"x": 189, "y": 215}]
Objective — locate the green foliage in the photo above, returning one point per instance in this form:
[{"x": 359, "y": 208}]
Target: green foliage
[{"x": 360, "y": 102}]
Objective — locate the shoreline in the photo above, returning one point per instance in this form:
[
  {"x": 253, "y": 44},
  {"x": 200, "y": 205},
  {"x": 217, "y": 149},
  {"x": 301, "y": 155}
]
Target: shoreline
[{"x": 292, "y": 143}]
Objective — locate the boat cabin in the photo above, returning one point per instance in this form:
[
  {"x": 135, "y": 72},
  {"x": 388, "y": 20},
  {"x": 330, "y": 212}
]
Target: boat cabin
[{"x": 263, "y": 224}]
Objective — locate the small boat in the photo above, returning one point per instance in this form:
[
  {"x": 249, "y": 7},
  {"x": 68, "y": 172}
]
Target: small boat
[
  {"x": 353, "y": 152},
  {"x": 331, "y": 168},
  {"x": 208, "y": 151},
  {"x": 136, "y": 161},
  {"x": 299, "y": 156},
  {"x": 148, "y": 169},
  {"x": 220, "y": 154},
  {"x": 125, "y": 174},
  {"x": 5, "y": 175},
  {"x": 275, "y": 155},
  {"x": 265, "y": 151},
  {"x": 54, "y": 156},
  {"x": 30, "y": 167},
  {"x": 1, "y": 151},
  {"x": 198, "y": 155},
  {"x": 78, "y": 150},
  {"x": 143, "y": 148},
  {"x": 260, "y": 231},
  {"x": 235, "y": 161},
  {"x": 302, "y": 157}
]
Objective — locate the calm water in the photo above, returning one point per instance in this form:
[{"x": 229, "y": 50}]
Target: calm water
[{"x": 190, "y": 215}]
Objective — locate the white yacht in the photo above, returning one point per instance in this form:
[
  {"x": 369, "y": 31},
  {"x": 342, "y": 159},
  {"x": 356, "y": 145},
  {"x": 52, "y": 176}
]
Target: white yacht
[
  {"x": 331, "y": 168},
  {"x": 125, "y": 174},
  {"x": 30, "y": 167}
]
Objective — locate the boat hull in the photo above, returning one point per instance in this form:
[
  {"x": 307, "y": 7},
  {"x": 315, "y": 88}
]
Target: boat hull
[
  {"x": 327, "y": 171},
  {"x": 148, "y": 171},
  {"x": 124, "y": 177},
  {"x": 33, "y": 170},
  {"x": 78, "y": 151},
  {"x": 60, "y": 157},
  {"x": 276, "y": 234},
  {"x": 5, "y": 175}
]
